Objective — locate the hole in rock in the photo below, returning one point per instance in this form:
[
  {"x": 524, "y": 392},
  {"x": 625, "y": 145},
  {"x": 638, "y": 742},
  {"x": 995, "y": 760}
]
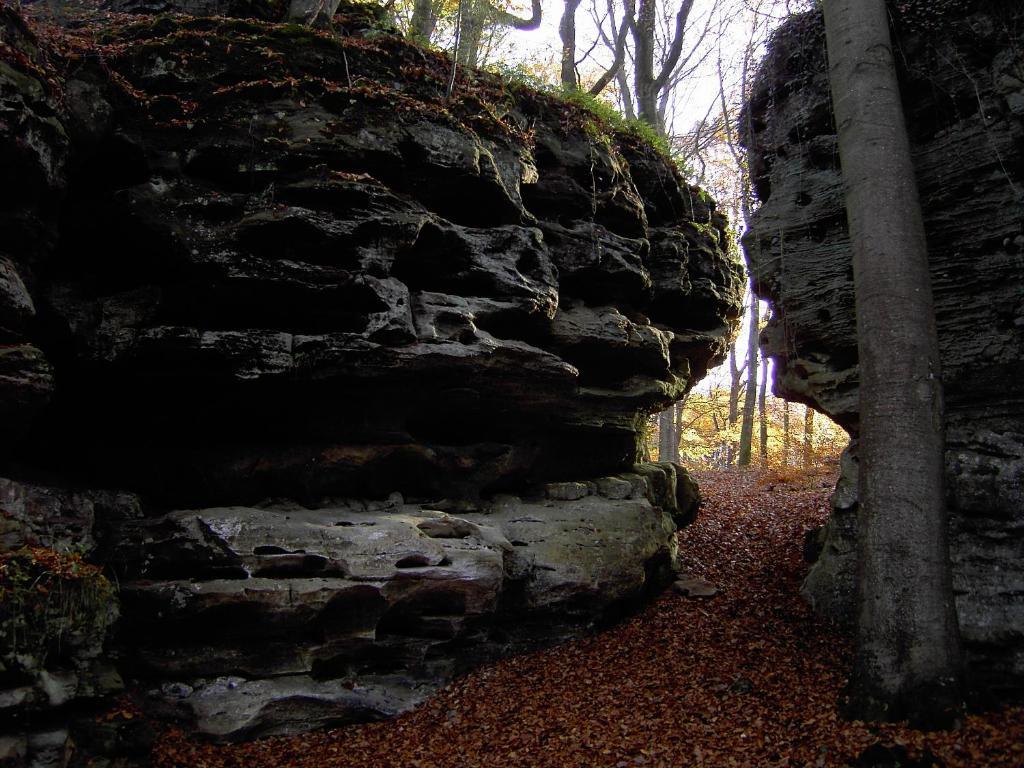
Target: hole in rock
[
  {"x": 413, "y": 561},
  {"x": 293, "y": 565},
  {"x": 357, "y": 609},
  {"x": 270, "y": 549},
  {"x": 421, "y": 614}
]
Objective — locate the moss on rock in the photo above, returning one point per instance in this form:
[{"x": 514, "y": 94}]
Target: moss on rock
[{"x": 50, "y": 604}]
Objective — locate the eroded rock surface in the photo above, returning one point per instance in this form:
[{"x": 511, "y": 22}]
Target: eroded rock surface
[
  {"x": 364, "y": 610},
  {"x": 364, "y": 366},
  {"x": 963, "y": 85},
  {"x": 286, "y": 285}
]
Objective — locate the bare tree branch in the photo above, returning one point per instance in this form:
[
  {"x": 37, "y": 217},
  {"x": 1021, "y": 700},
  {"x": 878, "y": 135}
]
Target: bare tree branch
[
  {"x": 511, "y": 20},
  {"x": 677, "y": 44},
  {"x": 619, "y": 49}
]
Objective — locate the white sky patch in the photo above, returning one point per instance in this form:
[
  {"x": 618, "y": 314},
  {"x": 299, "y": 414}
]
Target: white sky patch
[{"x": 737, "y": 25}]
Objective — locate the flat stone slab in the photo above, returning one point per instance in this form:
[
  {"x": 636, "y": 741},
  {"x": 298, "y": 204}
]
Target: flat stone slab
[{"x": 694, "y": 587}]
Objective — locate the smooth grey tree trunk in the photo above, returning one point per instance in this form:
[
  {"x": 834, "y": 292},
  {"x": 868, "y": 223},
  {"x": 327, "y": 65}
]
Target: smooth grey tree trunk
[
  {"x": 668, "y": 438},
  {"x": 735, "y": 381},
  {"x": 907, "y": 663},
  {"x": 644, "y": 77},
  {"x": 786, "y": 439},
  {"x": 763, "y": 414},
  {"x": 472, "y": 17},
  {"x": 424, "y": 21},
  {"x": 750, "y": 401},
  {"x": 808, "y": 436},
  {"x": 679, "y": 409},
  {"x": 625, "y": 95},
  {"x": 647, "y": 82},
  {"x": 567, "y": 31}
]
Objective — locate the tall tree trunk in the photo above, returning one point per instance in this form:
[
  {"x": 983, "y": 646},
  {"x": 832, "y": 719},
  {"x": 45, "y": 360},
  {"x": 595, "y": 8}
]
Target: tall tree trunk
[
  {"x": 786, "y": 438},
  {"x": 618, "y": 48},
  {"x": 472, "y": 17},
  {"x": 763, "y": 413},
  {"x": 677, "y": 428},
  {"x": 647, "y": 83},
  {"x": 567, "y": 31},
  {"x": 668, "y": 440},
  {"x": 747, "y": 428},
  {"x": 908, "y": 660},
  {"x": 644, "y": 85},
  {"x": 645, "y": 447},
  {"x": 475, "y": 16},
  {"x": 808, "y": 436},
  {"x": 423, "y": 22},
  {"x": 625, "y": 96},
  {"x": 735, "y": 380}
]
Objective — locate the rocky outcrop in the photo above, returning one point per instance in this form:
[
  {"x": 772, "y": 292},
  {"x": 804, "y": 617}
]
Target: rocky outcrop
[
  {"x": 963, "y": 86},
  {"x": 289, "y": 285},
  {"x": 311, "y": 617},
  {"x": 371, "y": 362}
]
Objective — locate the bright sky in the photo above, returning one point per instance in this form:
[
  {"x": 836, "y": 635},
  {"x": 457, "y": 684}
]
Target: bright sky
[
  {"x": 700, "y": 90},
  {"x": 696, "y": 95}
]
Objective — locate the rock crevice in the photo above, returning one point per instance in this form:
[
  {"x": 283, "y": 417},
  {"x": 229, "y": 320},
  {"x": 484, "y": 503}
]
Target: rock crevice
[{"x": 962, "y": 79}]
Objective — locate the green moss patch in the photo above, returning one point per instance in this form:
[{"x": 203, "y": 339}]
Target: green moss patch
[{"x": 50, "y": 602}]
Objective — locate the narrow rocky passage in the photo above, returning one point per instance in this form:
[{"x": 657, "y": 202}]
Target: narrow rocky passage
[{"x": 744, "y": 678}]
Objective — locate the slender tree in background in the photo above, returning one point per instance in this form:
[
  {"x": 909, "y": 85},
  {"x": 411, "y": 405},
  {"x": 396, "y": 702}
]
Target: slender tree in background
[
  {"x": 746, "y": 211},
  {"x": 567, "y": 32},
  {"x": 763, "y": 414},
  {"x": 475, "y": 15},
  {"x": 649, "y": 80},
  {"x": 786, "y": 439},
  {"x": 680, "y": 410},
  {"x": 425, "y": 15},
  {"x": 808, "y": 436},
  {"x": 670, "y": 427},
  {"x": 668, "y": 440},
  {"x": 472, "y": 28},
  {"x": 750, "y": 401},
  {"x": 908, "y": 652},
  {"x": 735, "y": 384},
  {"x": 653, "y": 37}
]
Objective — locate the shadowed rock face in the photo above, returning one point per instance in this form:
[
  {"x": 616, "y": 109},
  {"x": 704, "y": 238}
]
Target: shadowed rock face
[
  {"x": 253, "y": 276},
  {"x": 963, "y": 89},
  {"x": 264, "y": 282}
]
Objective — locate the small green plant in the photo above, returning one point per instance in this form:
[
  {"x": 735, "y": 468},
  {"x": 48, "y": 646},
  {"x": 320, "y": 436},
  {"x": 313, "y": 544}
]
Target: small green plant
[
  {"x": 519, "y": 76},
  {"x": 48, "y": 600},
  {"x": 613, "y": 119},
  {"x": 608, "y": 117}
]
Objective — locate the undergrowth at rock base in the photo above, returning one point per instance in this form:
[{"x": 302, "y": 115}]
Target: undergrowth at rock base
[
  {"x": 748, "y": 677},
  {"x": 49, "y": 599}
]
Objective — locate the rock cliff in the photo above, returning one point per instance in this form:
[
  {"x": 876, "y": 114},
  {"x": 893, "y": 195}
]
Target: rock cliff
[
  {"x": 341, "y": 378},
  {"x": 963, "y": 85}
]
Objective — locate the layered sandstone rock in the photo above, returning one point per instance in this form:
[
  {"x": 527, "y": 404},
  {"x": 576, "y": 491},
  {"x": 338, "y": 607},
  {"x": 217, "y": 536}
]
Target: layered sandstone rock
[
  {"x": 963, "y": 85},
  {"x": 367, "y": 365}
]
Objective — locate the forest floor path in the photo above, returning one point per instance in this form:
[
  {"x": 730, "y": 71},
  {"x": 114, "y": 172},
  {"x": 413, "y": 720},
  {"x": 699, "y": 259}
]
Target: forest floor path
[{"x": 747, "y": 677}]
